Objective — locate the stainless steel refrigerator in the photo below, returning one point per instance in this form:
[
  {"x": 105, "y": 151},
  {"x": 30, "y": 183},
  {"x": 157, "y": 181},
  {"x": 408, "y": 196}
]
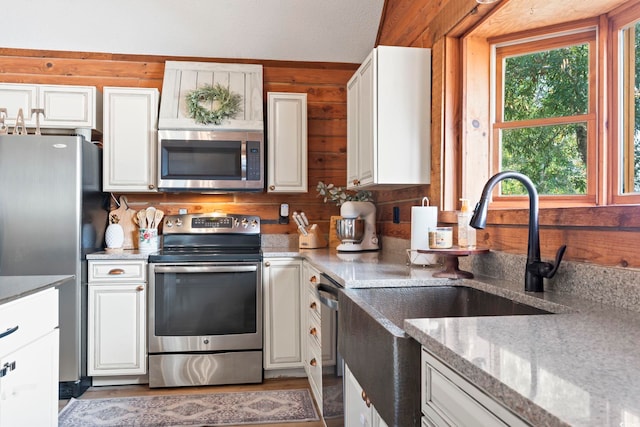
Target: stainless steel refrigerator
[{"x": 52, "y": 213}]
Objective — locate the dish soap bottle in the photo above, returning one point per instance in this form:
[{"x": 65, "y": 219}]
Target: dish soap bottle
[{"x": 466, "y": 233}]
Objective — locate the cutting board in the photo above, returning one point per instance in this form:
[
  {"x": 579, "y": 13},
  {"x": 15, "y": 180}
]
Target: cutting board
[{"x": 126, "y": 214}]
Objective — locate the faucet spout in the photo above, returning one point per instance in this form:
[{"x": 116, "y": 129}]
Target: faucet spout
[{"x": 536, "y": 270}]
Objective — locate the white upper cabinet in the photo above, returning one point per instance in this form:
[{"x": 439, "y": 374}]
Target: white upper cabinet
[
  {"x": 130, "y": 139},
  {"x": 65, "y": 107},
  {"x": 181, "y": 78},
  {"x": 287, "y": 142},
  {"x": 389, "y": 119}
]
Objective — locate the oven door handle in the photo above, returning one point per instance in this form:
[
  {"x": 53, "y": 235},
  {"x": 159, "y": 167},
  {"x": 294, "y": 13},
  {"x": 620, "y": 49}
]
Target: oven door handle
[
  {"x": 205, "y": 268},
  {"x": 328, "y": 295}
]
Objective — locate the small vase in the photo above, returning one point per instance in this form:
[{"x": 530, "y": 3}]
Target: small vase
[{"x": 114, "y": 236}]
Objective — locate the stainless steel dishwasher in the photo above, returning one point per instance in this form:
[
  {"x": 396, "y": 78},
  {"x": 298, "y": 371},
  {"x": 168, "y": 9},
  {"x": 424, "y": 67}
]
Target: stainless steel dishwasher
[{"x": 332, "y": 375}]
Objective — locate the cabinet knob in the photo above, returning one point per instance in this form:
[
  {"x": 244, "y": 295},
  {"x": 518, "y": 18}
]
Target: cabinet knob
[
  {"x": 116, "y": 271},
  {"x": 140, "y": 288},
  {"x": 356, "y": 182},
  {"x": 313, "y": 279},
  {"x": 313, "y": 362},
  {"x": 313, "y": 305},
  {"x": 151, "y": 186},
  {"x": 267, "y": 264},
  {"x": 313, "y": 331},
  {"x": 272, "y": 187},
  {"x": 365, "y": 398}
]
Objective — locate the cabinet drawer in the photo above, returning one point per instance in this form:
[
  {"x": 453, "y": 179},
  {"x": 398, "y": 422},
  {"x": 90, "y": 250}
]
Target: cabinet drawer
[
  {"x": 21, "y": 314},
  {"x": 314, "y": 304},
  {"x": 449, "y": 399},
  {"x": 117, "y": 271},
  {"x": 314, "y": 369}
]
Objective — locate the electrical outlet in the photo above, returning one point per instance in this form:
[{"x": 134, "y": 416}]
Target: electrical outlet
[
  {"x": 396, "y": 215},
  {"x": 284, "y": 214}
]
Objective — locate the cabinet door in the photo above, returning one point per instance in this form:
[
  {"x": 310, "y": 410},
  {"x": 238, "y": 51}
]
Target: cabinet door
[
  {"x": 18, "y": 96},
  {"x": 29, "y": 387},
  {"x": 282, "y": 314},
  {"x": 130, "y": 120},
  {"x": 68, "y": 106},
  {"x": 287, "y": 140},
  {"x": 116, "y": 329},
  {"x": 357, "y": 410},
  {"x": 361, "y": 132}
]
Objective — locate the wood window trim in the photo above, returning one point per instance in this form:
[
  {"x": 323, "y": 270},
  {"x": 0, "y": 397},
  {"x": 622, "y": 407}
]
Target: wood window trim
[{"x": 618, "y": 19}]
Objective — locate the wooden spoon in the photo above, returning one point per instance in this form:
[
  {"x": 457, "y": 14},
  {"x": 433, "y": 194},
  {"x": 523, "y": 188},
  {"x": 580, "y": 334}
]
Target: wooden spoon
[
  {"x": 151, "y": 213},
  {"x": 141, "y": 215},
  {"x": 157, "y": 218}
]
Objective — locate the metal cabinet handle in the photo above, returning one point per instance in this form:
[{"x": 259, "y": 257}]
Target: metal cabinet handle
[
  {"x": 116, "y": 272},
  {"x": 272, "y": 187},
  {"x": 151, "y": 186},
  {"x": 365, "y": 398},
  {"x": 313, "y": 331},
  {"x": 140, "y": 288},
  {"x": 313, "y": 362},
  {"x": 267, "y": 264},
  {"x": 313, "y": 279},
  {"x": 9, "y": 331},
  {"x": 313, "y": 305}
]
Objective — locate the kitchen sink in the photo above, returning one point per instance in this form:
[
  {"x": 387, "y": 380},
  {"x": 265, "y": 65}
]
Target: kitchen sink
[{"x": 384, "y": 359}]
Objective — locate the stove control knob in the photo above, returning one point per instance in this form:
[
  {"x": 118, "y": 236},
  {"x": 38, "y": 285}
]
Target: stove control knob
[
  {"x": 245, "y": 222},
  {"x": 254, "y": 223},
  {"x": 178, "y": 222},
  {"x": 168, "y": 223}
]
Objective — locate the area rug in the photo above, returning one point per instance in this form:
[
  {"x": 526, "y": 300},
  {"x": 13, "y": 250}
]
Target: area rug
[{"x": 213, "y": 409}]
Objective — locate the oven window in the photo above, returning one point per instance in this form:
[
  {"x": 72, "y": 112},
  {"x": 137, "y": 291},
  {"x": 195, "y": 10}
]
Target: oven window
[
  {"x": 197, "y": 160},
  {"x": 196, "y": 304}
]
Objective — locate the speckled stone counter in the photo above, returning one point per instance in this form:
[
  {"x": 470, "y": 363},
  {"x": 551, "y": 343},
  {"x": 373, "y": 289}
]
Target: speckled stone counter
[
  {"x": 578, "y": 367},
  {"x": 14, "y": 287},
  {"x": 124, "y": 254}
]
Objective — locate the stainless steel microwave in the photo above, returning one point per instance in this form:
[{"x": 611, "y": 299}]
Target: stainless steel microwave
[{"x": 210, "y": 161}]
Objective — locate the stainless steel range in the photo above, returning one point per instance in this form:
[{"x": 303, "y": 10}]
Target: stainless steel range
[{"x": 205, "y": 302}]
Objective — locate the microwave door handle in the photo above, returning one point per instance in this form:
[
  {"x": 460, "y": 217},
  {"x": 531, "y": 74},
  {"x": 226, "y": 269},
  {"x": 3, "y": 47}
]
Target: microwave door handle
[
  {"x": 243, "y": 160},
  {"x": 205, "y": 269}
]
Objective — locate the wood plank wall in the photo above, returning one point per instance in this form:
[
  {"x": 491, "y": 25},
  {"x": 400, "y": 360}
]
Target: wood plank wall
[{"x": 324, "y": 83}]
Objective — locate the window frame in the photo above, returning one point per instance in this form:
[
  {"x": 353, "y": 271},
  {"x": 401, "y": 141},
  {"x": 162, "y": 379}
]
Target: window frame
[
  {"x": 507, "y": 46},
  {"x": 618, "y": 20}
]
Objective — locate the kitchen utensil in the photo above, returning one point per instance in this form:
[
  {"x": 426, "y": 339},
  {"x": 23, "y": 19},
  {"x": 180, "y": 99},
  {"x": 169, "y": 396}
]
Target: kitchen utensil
[
  {"x": 298, "y": 219},
  {"x": 142, "y": 218},
  {"x": 157, "y": 218},
  {"x": 150, "y": 215},
  {"x": 304, "y": 219}
]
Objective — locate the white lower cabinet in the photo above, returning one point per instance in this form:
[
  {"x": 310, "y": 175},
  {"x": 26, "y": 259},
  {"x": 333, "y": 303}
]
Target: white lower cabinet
[
  {"x": 283, "y": 325},
  {"x": 116, "y": 344},
  {"x": 29, "y": 360},
  {"x": 358, "y": 409},
  {"x": 450, "y": 400}
]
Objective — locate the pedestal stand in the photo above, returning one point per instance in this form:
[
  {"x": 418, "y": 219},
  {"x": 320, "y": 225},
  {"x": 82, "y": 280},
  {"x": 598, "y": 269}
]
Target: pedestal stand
[{"x": 451, "y": 264}]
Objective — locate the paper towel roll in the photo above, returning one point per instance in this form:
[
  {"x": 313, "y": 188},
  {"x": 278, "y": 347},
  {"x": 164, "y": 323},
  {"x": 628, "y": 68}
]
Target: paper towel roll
[{"x": 422, "y": 218}]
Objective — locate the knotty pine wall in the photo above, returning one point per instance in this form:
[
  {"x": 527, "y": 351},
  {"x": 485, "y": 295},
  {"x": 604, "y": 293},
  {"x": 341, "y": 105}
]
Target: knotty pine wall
[{"x": 324, "y": 83}]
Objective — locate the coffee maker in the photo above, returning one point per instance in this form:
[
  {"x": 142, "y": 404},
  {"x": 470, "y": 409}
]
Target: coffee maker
[{"x": 357, "y": 228}]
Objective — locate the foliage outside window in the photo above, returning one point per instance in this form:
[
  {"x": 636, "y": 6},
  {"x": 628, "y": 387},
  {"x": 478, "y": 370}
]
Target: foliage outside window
[{"x": 545, "y": 114}]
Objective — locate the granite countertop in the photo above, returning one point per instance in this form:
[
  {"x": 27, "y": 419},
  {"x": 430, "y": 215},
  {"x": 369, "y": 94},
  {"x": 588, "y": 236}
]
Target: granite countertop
[
  {"x": 578, "y": 366},
  {"x": 122, "y": 254},
  {"x": 14, "y": 287}
]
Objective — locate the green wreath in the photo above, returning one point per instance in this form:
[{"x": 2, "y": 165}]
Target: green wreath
[{"x": 226, "y": 104}]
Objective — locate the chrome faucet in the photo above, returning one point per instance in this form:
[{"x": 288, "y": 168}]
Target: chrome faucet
[{"x": 536, "y": 270}]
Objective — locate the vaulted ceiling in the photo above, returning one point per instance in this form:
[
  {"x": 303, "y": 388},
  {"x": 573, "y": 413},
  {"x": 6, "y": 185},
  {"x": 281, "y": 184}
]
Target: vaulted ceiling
[{"x": 299, "y": 30}]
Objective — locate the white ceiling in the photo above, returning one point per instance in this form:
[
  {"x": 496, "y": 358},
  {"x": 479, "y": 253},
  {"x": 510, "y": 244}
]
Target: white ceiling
[{"x": 299, "y": 30}]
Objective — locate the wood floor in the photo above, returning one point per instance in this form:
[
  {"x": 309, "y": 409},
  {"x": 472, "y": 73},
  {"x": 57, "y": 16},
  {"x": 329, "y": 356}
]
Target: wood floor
[{"x": 144, "y": 390}]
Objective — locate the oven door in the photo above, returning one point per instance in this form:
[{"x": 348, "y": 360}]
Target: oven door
[{"x": 205, "y": 307}]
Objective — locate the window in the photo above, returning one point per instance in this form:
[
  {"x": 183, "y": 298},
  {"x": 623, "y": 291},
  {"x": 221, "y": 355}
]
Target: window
[
  {"x": 559, "y": 103},
  {"x": 545, "y": 114},
  {"x": 626, "y": 97}
]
